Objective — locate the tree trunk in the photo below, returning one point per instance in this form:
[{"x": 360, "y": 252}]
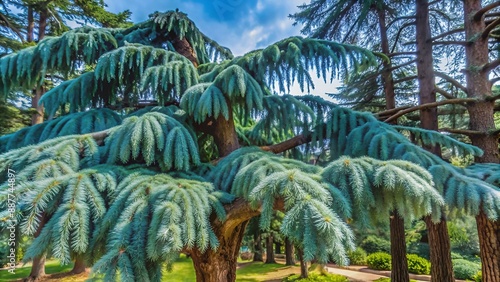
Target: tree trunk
[
  {"x": 269, "y": 249},
  {"x": 277, "y": 248},
  {"x": 224, "y": 134},
  {"x": 399, "y": 272},
  {"x": 37, "y": 270},
  {"x": 257, "y": 246},
  {"x": 304, "y": 272},
  {"x": 38, "y": 116},
  {"x": 439, "y": 243},
  {"x": 30, "y": 31},
  {"x": 220, "y": 265},
  {"x": 80, "y": 265},
  {"x": 490, "y": 248},
  {"x": 390, "y": 100},
  {"x": 481, "y": 118},
  {"x": 289, "y": 252}
]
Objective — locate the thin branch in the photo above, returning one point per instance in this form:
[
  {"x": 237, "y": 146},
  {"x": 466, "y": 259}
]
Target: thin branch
[
  {"x": 430, "y": 105},
  {"x": 405, "y": 79},
  {"x": 401, "y": 54},
  {"x": 445, "y": 94},
  {"x": 492, "y": 15},
  {"x": 391, "y": 111},
  {"x": 462, "y": 131},
  {"x": 447, "y": 33},
  {"x": 451, "y": 80},
  {"x": 491, "y": 65},
  {"x": 479, "y": 14},
  {"x": 489, "y": 28},
  {"x": 398, "y": 19},
  {"x": 451, "y": 42}
]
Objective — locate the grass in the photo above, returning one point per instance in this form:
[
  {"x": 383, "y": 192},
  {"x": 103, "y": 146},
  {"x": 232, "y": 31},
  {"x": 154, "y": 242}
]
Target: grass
[
  {"x": 52, "y": 266},
  {"x": 388, "y": 280},
  {"x": 183, "y": 271}
]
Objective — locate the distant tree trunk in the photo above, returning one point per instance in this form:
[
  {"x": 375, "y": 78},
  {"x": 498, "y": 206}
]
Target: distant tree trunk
[
  {"x": 277, "y": 247},
  {"x": 390, "y": 100},
  {"x": 439, "y": 241},
  {"x": 80, "y": 265},
  {"x": 304, "y": 272},
  {"x": 399, "y": 272},
  {"x": 257, "y": 246},
  {"x": 289, "y": 252},
  {"x": 40, "y": 90},
  {"x": 30, "y": 31},
  {"x": 269, "y": 249},
  {"x": 481, "y": 118},
  {"x": 38, "y": 267}
]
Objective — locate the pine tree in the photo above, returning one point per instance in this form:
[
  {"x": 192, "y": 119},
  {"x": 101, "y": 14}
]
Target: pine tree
[{"x": 123, "y": 186}]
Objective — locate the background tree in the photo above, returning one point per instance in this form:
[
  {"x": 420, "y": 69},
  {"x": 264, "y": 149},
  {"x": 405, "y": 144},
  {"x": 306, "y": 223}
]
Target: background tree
[{"x": 124, "y": 186}]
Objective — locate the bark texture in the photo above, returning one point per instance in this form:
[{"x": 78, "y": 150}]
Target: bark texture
[
  {"x": 270, "y": 249},
  {"x": 488, "y": 232},
  {"x": 289, "y": 252},
  {"x": 399, "y": 271},
  {"x": 439, "y": 243},
  {"x": 37, "y": 270},
  {"x": 257, "y": 246},
  {"x": 80, "y": 265}
]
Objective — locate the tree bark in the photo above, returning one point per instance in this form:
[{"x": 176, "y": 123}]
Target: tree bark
[
  {"x": 80, "y": 265},
  {"x": 277, "y": 247},
  {"x": 289, "y": 252},
  {"x": 38, "y": 116},
  {"x": 30, "y": 31},
  {"x": 37, "y": 270},
  {"x": 488, "y": 232},
  {"x": 257, "y": 246},
  {"x": 270, "y": 249},
  {"x": 390, "y": 100},
  {"x": 399, "y": 272},
  {"x": 224, "y": 134},
  {"x": 439, "y": 243},
  {"x": 304, "y": 272},
  {"x": 481, "y": 118}
]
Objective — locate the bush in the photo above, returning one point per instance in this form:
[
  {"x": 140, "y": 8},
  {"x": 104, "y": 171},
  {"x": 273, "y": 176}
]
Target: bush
[
  {"x": 315, "y": 277},
  {"x": 372, "y": 244},
  {"x": 357, "y": 257},
  {"x": 465, "y": 269},
  {"x": 421, "y": 249},
  {"x": 379, "y": 261},
  {"x": 456, "y": 256},
  {"x": 418, "y": 265},
  {"x": 478, "y": 277}
]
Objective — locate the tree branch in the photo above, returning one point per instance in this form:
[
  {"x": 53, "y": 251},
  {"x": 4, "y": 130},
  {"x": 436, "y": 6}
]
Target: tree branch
[
  {"x": 405, "y": 79},
  {"x": 451, "y": 42},
  {"x": 451, "y": 80},
  {"x": 444, "y": 34},
  {"x": 445, "y": 94},
  {"x": 430, "y": 105},
  {"x": 489, "y": 28},
  {"x": 288, "y": 144},
  {"x": 490, "y": 66},
  {"x": 462, "y": 131},
  {"x": 401, "y": 54},
  {"x": 479, "y": 14}
]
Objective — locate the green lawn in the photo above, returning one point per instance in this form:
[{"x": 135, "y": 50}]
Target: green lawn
[
  {"x": 182, "y": 272},
  {"x": 51, "y": 266}
]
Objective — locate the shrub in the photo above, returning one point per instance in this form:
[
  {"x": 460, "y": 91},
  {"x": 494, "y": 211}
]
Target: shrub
[
  {"x": 418, "y": 265},
  {"x": 379, "y": 261},
  {"x": 421, "y": 249},
  {"x": 465, "y": 269},
  {"x": 478, "y": 277},
  {"x": 357, "y": 257},
  {"x": 315, "y": 277},
  {"x": 456, "y": 256},
  {"x": 372, "y": 244}
]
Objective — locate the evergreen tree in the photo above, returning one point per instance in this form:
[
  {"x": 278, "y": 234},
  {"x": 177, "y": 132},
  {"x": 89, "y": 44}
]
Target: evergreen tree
[{"x": 126, "y": 189}]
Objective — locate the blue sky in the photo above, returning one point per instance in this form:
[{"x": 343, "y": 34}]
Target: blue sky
[{"x": 241, "y": 25}]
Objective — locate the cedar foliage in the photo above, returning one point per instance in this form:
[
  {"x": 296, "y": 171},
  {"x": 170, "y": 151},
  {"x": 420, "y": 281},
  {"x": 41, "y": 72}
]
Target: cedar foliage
[{"x": 137, "y": 198}]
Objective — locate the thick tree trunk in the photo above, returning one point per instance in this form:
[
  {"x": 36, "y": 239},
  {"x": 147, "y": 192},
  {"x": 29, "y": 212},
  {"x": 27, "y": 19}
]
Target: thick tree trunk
[
  {"x": 224, "y": 134},
  {"x": 304, "y": 272},
  {"x": 220, "y": 265},
  {"x": 439, "y": 242},
  {"x": 277, "y": 248},
  {"x": 481, "y": 119},
  {"x": 270, "y": 249},
  {"x": 399, "y": 272},
  {"x": 289, "y": 252},
  {"x": 80, "y": 265},
  {"x": 490, "y": 248},
  {"x": 257, "y": 246},
  {"x": 37, "y": 270}
]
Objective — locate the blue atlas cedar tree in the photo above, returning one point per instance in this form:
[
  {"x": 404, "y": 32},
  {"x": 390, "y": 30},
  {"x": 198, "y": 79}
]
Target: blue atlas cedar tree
[{"x": 129, "y": 189}]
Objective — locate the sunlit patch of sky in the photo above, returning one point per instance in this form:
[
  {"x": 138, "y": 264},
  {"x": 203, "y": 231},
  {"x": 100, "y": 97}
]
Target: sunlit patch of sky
[{"x": 241, "y": 25}]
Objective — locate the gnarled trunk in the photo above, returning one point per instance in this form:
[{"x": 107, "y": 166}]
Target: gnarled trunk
[
  {"x": 439, "y": 243},
  {"x": 399, "y": 272}
]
